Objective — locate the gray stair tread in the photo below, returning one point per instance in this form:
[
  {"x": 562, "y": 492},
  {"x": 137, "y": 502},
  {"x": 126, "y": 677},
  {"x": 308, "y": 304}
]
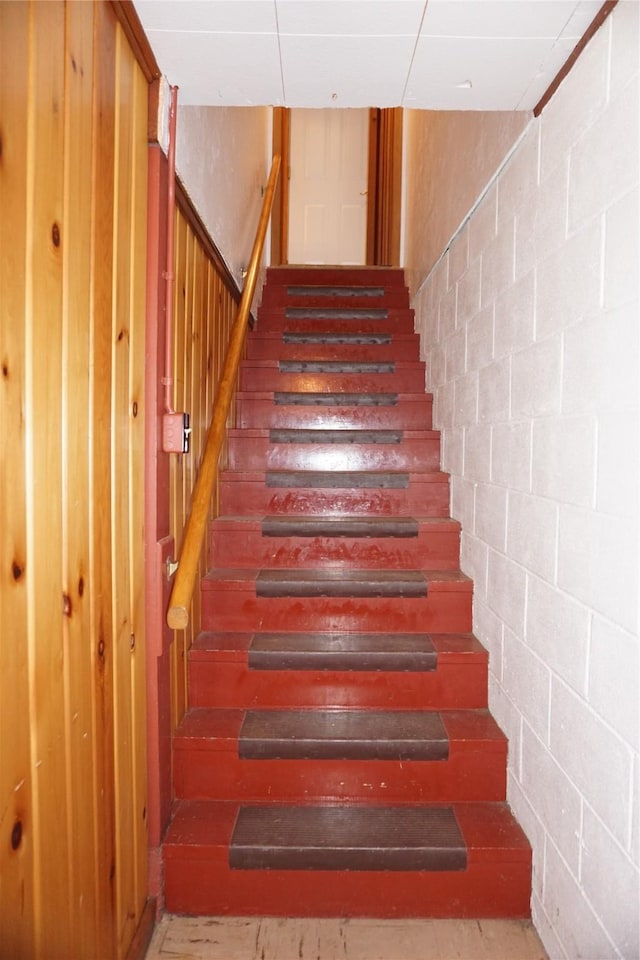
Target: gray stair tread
[
  {"x": 294, "y": 336},
  {"x": 336, "y": 313},
  {"x": 336, "y": 366},
  {"x": 304, "y": 290},
  {"x": 335, "y": 436},
  {"x": 338, "y": 479},
  {"x": 321, "y": 526},
  {"x": 343, "y": 735},
  {"x": 282, "y": 397},
  {"x": 342, "y": 651},
  {"x": 341, "y": 583},
  {"x": 334, "y": 837}
]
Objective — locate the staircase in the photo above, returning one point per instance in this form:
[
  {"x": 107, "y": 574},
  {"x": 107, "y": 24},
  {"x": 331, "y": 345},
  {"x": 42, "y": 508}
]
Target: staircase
[{"x": 338, "y": 758}]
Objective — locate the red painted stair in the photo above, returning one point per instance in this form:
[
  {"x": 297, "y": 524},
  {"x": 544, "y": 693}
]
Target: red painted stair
[{"x": 338, "y": 757}]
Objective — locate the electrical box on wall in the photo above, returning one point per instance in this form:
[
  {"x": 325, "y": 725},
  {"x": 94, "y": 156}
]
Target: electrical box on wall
[{"x": 175, "y": 432}]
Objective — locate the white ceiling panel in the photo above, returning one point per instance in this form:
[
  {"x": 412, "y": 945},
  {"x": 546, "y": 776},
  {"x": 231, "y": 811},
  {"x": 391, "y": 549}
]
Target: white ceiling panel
[
  {"x": 336, "y": 71},
  {"x": 350, "y": 17},
  {"x": 428, "y": 54},
  {"x": 209, "y": 16},
  {"x": 221, "y": 69}
]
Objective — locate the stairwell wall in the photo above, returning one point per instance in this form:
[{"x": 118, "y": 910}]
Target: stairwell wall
[{"x": 529, "y": 326}]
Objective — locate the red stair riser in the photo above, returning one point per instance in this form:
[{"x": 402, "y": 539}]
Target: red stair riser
[
  {"x": 441, "y": 612},
  {"x": 247, "y": 495},
  {"x": 388, "y": 277},
  {"x": 270, "y": 346},
  {"x": 261, "y": 412},
  {"x": 237, "y": 544},
  {"x": 275, "y": 297},
  {"x": 476, "y": 773},
  {"x": 249, "y": 450},
  {"x": 265, "y": 375},
  {"x": 233, "y": 685},
  {"x": 397, "y": 321}
]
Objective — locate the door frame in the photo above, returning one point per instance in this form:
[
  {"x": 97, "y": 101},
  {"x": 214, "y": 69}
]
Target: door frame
[{"x": 384, "y": 193}]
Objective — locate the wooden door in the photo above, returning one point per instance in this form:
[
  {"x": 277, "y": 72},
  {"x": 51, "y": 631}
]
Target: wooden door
[{"x": 328, "y": 187}]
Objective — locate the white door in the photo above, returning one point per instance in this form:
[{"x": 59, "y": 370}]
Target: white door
[{"x": 328, "y": 187}]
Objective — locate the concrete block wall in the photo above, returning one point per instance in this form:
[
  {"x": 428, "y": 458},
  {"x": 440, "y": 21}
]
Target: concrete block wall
[{"x": 529, "y": 326}]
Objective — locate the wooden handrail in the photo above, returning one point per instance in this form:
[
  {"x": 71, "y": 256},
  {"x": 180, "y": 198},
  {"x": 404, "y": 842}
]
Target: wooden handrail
[{"x": 196, "y": 525}]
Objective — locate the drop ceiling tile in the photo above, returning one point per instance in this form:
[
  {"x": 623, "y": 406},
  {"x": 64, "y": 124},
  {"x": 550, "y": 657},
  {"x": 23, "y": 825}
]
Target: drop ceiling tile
[
  {"x": 497, "y": 18},
  {"x": 350, "y": 17},
  {"x": 540, "y": 83},
  {"x": 585, "y": 13},
  {"x": 315, "y": 69},
  {"x": 218, "y": 16},
  {"x": 462, "y": 74},
  {"x": 221, "y": 69}
]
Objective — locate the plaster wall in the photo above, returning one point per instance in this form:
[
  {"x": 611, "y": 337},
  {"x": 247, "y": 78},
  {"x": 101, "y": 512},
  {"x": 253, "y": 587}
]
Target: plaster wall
[
  {"x": 529, "y": 326},
  {"x": 223, "y": 157},
  {"x": 449, "y": 158}
]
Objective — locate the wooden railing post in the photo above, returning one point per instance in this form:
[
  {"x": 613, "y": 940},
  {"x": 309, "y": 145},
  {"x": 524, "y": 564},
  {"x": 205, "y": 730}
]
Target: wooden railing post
[{"x": 195, "y": 528}]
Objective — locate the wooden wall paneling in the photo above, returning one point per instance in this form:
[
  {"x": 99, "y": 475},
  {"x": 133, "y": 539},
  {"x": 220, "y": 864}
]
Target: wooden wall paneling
[
  {"x": 100, "y": 474},
  {"x": 46, "y": 241},
  {"x": 16, "y": 812},
  {"x": 79, "y": 716},
  {"x": 136, "y": 412},
  {"x": 123, "y": 628}
]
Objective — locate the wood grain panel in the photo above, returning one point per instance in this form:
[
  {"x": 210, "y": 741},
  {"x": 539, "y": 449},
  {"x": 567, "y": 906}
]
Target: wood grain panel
[
  {"x": 16, "y": 811},
  {"x": 72, "y": 821}
]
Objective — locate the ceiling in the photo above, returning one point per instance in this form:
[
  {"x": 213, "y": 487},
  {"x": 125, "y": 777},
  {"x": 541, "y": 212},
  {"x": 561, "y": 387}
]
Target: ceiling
[{"x": 427, "y": 54}]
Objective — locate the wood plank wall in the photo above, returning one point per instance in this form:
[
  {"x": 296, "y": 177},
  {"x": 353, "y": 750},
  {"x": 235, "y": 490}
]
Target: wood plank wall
[
  {"x": 73, "y": 131},
  {"x": 205, "y": 304}
]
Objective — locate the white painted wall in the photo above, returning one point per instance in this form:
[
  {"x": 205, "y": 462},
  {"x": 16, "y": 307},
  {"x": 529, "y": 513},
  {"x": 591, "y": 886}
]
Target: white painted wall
[
  {"x": 223, "y": 157},
  {"x": 529, "y": 326}
]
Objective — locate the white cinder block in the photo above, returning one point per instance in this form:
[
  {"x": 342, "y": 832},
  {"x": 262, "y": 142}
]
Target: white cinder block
[
  {"x": 456, "y": 353},
  {"x": 469, "y": 292},
  {"x": 509, "y": 720},
  {"x": 614, "y": 671},
  {"x": 447, "y": 314},
  {"x": 483, "y": 224},
  {"x": 494, "y": 391},
  {"x": 545, "y": 927},
  {"x": 488, "y": 628},
  {"x": 601, "y": 363},
  {"x": 558, "y": 629},
  {"x": 498, "y": 264},
  {"x": 634, "y": 843},
  {"x": 491, "y": 515},
  {"x": 554, "y": 798},
  {"x": 443, "y": 406},
  {"x": 480, "y": 339},
  {"x": 574, "y": 921},
  {"x": 477, "y": 452},
  {"x": 437, "y": 364},
  {"x": 568, "y": 281},
  {"x": 526, "y": 681},
  {"x": 463, "y": 501},
  {"x": 453, "y": 441},
  {"x": 514, "y": 311},
  {"x": 597, "y": 173},
  {"x": 535, "y": 379},
  {"x": 459, "y": 255},
  {"x": 524, "y": 242},
  {"x": 466, "y": 400},
  {"x": 531, "y": 824},
  {"x": 532, "y": 533},
  {"x": 511, "y": 445},
  {"x": 625, "y": 43},
  {"x": 473, "y": 562},
  {"x": 622, "y": 251},
  {"x": 617, "y": 902},
  {"x": 581, "y": 98},
  {"x": 564, "y": 457},
  {"x": 594, "y": 758},
  {"x": 506, "y": 590},
  {"x": 551, "y": 211},
  {"x": 519, "y": 175},
  {"x": 617, "y": 481},
  {"x": 598, "y": 563}
]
